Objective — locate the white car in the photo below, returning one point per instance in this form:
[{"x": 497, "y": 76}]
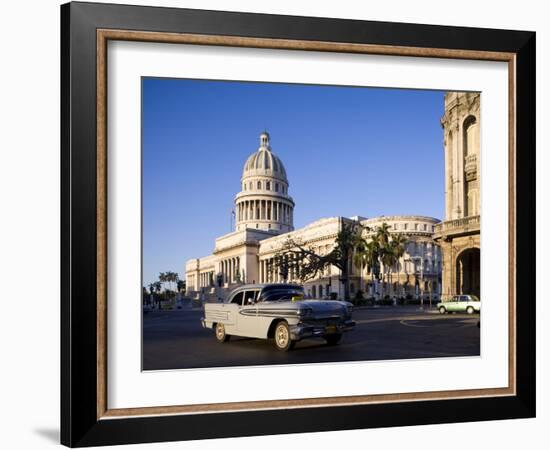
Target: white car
[
  {"x": 278, "y": 312},
  {"x": 460, "y": 303}
]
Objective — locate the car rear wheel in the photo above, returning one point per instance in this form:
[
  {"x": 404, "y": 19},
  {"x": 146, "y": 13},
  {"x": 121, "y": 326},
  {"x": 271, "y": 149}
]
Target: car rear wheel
[
  {"x": 469, "y": 310},
  {"x": 442, "y": 310},
  {"x": 221, "y": 335},
  {"x": 281, "y": 338},
  {"x": 333, "y": 339}
]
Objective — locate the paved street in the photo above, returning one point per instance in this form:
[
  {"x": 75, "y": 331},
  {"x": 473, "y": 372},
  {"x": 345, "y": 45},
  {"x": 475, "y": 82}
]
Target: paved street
[{"x": 176, "y": 340}]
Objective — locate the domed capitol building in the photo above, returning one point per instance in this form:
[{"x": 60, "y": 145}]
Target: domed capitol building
[{"x": 264, "y": 221}]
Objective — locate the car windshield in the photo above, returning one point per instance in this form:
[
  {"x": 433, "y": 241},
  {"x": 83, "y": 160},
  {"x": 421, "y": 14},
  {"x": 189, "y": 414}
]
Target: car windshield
[{"x": 281, "y": 293}]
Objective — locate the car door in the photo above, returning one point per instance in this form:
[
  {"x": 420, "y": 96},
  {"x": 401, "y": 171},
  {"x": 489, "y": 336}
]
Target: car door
[
  {"x": 464, "y": 302},
  {"x": 247, "y": 324},
  {"x": 233, "y": 307},
  {"x": 453, "y": 305}
]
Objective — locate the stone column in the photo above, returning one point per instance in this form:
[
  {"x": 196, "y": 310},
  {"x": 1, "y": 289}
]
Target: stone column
[
  {"x": 263, "y": 276},
  {"x": 448, "y": 175},
  {"x": 228, "y": 271}
]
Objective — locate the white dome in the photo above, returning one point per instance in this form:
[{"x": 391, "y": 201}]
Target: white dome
[
  {"x": 264, "y": 203},
  {"x": 264, "y": 163}
]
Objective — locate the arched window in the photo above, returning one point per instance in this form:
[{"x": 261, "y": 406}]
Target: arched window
[
  {"x": 471, "y": 146},
  {"x": 259, "y": 185},
  {"x": 250, "y": 185},
  {"x": 320, "y": 290},
  {"x": 277, "y": 187},
  {"x": 268, "y": 186},
  {"x": 313, "y": 291},
  {"x": 471, "y": 135}
]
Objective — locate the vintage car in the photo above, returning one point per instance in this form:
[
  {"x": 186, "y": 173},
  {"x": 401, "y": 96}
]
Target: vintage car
[
  {"x": 278, "y": 312},
  {"x": 460, "y": 303}
]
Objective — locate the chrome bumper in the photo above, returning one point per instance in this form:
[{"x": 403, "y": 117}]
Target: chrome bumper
[{"x": 304, "y": 330}]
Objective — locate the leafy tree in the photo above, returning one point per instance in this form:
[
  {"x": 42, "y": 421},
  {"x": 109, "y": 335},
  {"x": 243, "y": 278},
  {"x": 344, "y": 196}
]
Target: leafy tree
[{"x": 301, "y": 260}]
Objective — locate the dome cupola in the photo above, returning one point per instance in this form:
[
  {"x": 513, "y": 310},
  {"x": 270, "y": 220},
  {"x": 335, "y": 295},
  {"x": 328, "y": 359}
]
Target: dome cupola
[{"x": 264, "y": 162}]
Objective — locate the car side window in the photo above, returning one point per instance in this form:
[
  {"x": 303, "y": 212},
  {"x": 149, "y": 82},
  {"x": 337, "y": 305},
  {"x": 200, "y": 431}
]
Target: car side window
[
  {"x": 238, "y": 298},
  {"x": 464, "y": 298},
  {"x": 455, "y": 298},
  {"x": 250, "y": 296}
]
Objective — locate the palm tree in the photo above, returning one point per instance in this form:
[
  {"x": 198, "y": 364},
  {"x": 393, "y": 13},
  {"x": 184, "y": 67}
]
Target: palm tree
[
  {"x": 359, "y": 256},
  {"x": 388, "y": 259},
  {"x": 168, "y": 277},
  {"x": 373, "y": 259},
  {"x": 162, "y": 278},
  {"x": 383, "y": 234},
  {"x": 385, "y": 252},
  {"x": 367, "y": 254},
  {"x": 398, "y": 243},
  {"x": 158, "y": 287}
]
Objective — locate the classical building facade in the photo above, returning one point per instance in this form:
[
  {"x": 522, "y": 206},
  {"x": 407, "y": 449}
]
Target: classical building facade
[
  {"x": 264, "y": 213},
  {"x": 459, "y": 234}
]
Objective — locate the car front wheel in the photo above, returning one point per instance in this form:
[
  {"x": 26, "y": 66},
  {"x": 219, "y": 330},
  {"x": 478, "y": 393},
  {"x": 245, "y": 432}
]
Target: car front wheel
[
  {"x": 221, "y": 335},
  {"x": 442, "y": 310},
  {"x": 281, "y": 338}
]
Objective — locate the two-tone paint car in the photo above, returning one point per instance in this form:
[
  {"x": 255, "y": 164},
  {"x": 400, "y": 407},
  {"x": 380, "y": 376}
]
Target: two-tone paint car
[
  {"x": 279, "y": 312},
  {"x": 460, "y": 303}
]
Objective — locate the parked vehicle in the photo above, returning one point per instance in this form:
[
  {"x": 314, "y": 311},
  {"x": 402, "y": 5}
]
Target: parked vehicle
[
  {"x": 460, "y": 303},
  {"x": 278, "y": 312}
]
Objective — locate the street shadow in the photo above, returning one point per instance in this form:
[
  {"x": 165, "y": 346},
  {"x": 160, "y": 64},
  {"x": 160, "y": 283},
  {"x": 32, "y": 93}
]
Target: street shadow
[{"x": 50, "y": 434}]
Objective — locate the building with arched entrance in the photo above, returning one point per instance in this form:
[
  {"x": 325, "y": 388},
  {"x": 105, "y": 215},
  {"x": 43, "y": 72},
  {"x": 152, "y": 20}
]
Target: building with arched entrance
[{"x": 459, "y": 234}]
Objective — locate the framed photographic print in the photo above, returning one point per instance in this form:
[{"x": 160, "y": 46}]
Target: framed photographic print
[{"x": 276, "y": 224}]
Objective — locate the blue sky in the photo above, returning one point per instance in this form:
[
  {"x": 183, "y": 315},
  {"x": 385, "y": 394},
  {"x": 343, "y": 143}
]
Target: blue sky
[{"x": 347, "y": 151}]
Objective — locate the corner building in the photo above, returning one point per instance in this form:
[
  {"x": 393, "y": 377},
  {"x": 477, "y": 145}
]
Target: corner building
[{"x": 459, "y": 234}]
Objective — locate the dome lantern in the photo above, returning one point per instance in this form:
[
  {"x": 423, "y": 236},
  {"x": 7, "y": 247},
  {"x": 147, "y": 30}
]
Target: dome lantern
[{"x": 264, "y": 141}]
